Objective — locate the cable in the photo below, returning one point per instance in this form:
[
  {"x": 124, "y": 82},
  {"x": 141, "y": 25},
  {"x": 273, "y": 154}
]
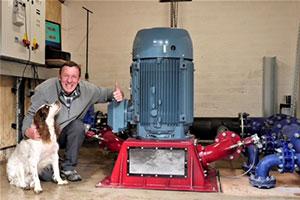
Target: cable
[
  {"x": 176, "y": 14},
  {"x": 29, "y": 51},
  {"x": 20, "y": 81},
  {"x": 173, "y": 13},
  {"x": 241, "y": 175},
  {"x": 35, "y": 75}
]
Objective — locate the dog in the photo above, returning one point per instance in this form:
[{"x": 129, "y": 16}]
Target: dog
[{"x": 31, "y": 156}]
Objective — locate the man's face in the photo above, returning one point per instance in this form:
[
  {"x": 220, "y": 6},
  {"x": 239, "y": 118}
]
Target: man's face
[{"x": 69, "y": 78}]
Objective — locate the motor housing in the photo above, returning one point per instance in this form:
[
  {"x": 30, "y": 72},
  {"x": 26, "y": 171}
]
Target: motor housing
[{"x": 162, "y": 79}]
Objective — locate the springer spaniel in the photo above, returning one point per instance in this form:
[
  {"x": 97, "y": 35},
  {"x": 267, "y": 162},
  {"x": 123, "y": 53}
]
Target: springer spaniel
[{"x": 31, "y": 156}]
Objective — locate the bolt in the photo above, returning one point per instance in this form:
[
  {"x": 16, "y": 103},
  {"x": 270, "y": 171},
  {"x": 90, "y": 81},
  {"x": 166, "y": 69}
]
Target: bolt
[
  {"x": 279, "y": 126},
  {"x": 278, "y": 150},
  {"x": 296, "y": 135},
  {"x": 279, "y": 117},
  {"x": 290, "y": 145},
  {"x": 231, "y": 157},
  {"x": 224, "y": 134}
]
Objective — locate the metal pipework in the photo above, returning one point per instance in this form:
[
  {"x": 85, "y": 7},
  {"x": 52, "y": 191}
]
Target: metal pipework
[
  {"x": 293, "y": 133},
  {"x": 107, "y": 139},
  {"x": 227, "y": 144},
  {"x": 286, "y": 160},
  {"x": 253, "y": 159}
]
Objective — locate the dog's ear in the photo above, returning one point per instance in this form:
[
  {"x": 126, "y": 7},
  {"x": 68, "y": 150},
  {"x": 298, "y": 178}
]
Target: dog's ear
[{"x": 43, "y": 112}]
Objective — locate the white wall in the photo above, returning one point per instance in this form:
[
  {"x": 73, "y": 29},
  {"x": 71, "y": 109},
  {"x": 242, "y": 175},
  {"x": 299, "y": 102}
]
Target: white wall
[{"x": 230, "y": 38}]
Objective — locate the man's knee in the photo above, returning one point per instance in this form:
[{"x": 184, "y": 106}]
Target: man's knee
[
  {"x": 76, "y": 127},
  {"x": 74, "y": 131}
]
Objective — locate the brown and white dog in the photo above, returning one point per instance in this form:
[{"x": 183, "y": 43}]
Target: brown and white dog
[{"x": 31, "y": 156}]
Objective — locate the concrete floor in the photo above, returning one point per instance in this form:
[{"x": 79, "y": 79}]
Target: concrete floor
[{"x": 94, "y": 165}]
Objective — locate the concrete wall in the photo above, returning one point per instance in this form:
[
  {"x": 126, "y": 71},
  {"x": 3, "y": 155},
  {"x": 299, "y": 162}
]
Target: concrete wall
[{"x": 230, "y": 38}]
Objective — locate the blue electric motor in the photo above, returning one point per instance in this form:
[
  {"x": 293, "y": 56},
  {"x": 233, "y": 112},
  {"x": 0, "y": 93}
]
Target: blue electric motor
[{"x": 162, "y": 79}]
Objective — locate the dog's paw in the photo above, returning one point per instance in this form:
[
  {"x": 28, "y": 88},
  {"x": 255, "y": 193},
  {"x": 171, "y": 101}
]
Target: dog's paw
[
  {"x": 62, "y": 182},
  {"x": 38, "y": 190},
  {"x": 26, "y": 187}
]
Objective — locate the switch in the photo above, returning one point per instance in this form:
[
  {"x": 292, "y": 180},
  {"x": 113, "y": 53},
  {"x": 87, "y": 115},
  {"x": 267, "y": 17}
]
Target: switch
[{"x": 25, "y": 41}]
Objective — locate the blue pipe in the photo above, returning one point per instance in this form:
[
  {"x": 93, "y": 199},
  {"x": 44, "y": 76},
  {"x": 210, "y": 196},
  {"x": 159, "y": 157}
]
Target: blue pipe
[
  {"x": 298, "y": 161},
  {"x": 295, "y": 140},
  {"x": 293, "y": 133},
  {"x": 261, "y": 179},
  {"x": 287, "y": 161},
  {"x": 266, "y": 164},
  {"x": 253, "y": 158}
]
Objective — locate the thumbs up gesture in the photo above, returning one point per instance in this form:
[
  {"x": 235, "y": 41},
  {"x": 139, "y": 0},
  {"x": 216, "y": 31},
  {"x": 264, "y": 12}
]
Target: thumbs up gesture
[{"x": 118, "y": 94}]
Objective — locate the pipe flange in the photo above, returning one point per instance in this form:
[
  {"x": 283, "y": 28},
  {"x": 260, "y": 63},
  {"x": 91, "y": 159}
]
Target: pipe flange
[
  {"x": 286, "y": 154},
  {"x": 261, "y": 182}
]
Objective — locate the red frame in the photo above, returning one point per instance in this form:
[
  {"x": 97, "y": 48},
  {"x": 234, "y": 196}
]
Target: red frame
[{"x": 197, "y": 178}]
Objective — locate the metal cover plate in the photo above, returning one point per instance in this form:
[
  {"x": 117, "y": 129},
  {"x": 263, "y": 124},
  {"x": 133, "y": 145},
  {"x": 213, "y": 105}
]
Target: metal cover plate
[{"x": 157, "y": 161}]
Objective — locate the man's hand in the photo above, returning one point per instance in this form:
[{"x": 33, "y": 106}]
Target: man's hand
[
  {"x": 32, "y": 133},
  {"x": 118, "y": 94}
]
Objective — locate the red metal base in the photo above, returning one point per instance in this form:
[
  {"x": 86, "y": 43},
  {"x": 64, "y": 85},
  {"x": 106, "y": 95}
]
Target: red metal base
[{"x": 196, "y": 178}]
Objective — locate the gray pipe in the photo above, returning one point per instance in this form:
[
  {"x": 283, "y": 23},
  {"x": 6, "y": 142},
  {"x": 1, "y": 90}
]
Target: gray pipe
[{"x": 269, "y": 86}]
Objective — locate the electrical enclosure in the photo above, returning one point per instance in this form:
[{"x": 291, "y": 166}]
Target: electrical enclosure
[{"x": 22, "y": 35}]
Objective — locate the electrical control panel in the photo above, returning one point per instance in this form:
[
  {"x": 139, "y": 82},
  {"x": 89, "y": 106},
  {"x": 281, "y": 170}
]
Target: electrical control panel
[{"x": 22, "y": 26}]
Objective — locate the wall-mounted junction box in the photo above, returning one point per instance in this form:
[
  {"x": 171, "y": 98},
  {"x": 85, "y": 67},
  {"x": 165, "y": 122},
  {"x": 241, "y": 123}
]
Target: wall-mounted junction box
[{"x": 22, "y": 35}]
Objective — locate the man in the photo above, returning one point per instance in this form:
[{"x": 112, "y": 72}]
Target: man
[{"x": 76, "y": 96}]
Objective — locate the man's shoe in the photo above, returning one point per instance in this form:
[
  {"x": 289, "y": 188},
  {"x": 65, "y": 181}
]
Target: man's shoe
[{"x": 70, "y": 175}]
